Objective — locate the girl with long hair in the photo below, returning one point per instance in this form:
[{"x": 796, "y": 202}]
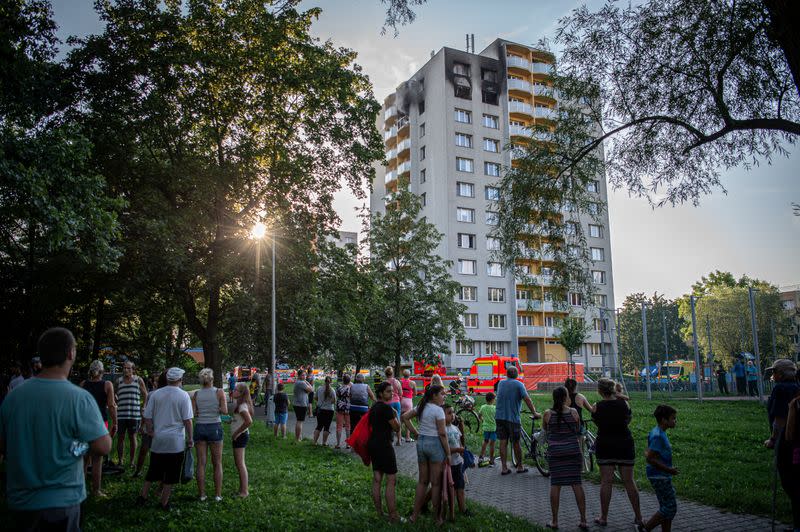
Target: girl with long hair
[
  {"x": 240, "y": 433},
  {"x": 208, "y": 403},
  {"x": 397, "y": 391},
  {"x": 326, "y": 404},
  {"x": 383, "y": 421}
]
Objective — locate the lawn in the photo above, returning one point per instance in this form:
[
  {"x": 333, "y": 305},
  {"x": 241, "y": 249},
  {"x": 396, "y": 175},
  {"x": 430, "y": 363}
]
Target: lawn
[{"x": 292, "y": 487}]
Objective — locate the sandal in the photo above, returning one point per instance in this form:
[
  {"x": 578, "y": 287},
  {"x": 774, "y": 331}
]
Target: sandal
[
  {"x": 600, "y": 522},
  {"x": 551, "y": 526},
  {"x": 523, "y": 470},
  {"x": 583, "y": 526},
  {"x": 506, "y": 472}
]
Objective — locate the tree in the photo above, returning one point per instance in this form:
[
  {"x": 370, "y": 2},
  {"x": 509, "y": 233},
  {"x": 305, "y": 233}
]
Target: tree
[
  {"x": 723, "y": 302},
  {"x": 574, "y": 331},
  {"x": 685, "y": 89},
  {"x": 418, "y": 315},
  {"x": 661, "y": 313},
  {"x": 209, "y": 115}
]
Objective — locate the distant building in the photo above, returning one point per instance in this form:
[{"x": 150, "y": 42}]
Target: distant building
[
  {"x": 345, "y": 237},
  {"x": 445, "y": 130},
  {"x": 790, "y": 300}
]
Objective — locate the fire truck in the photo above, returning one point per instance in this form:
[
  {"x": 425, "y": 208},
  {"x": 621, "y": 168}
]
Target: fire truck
[
  {"x": 424, "y": 372},
  {"x": 488, "y": 371}
]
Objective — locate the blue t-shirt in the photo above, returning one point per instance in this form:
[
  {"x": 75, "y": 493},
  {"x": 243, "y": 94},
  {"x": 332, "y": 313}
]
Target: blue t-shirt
[
  {"x": 510, "y": 393},
  {"x": 752, "y": 373},
  {"x": 39, "y": 421},
  {"x": 738, "y": 369},
  {"x": 658, "y": 441}
]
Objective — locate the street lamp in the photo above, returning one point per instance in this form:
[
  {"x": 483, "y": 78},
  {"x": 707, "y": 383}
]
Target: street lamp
[{"x": 258, "y": 232}]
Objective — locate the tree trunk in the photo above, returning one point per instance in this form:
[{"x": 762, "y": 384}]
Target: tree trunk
[{"x": 783, "y": 15}]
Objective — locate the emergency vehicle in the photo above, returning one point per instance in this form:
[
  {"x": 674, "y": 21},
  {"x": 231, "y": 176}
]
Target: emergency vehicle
[
  {"x": 243, "y": 373},
  {"x": 489, "y": 370},
  {"x": 424, "y": 372}
]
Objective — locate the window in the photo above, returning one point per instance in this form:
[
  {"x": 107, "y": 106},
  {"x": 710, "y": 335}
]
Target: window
[
  {"x": 465, "y": 190},
  {"x": 497, "y": 295},
  {"x": 576, "y": 300},
  {"x": 494, "y": 269},
  {"x": 463, "y": 140},
  {"x": 598, "y": 255},
  {"x": 469, "y": 320},
  {"x": 489, "y": 75},
  {"x": 497, "y": 321},
  {"x": 423, "y": 199},
  {"x": 469, "y": 293},
  {"x": 593, "y": 186},
  {"x": 492, "y": 193},
  {"x": 549, "y": 321},
  {"x": 524, "y": 320},
  {"x": 599, "y": 277},
  {"x": 422, "y": 153},
  {"x": 524, "y": 269},
  {"x": 569, "y": 206},
  {"x": 495, "y": 347},
  {"x": 491, "y": 145},
  {"x": 600, "y": 300},
  {"x": 491, "y": 121},
  {"x": 463, "y": 116},
  {"x": 596, "y": 231},
  {"x": 574, "y": 251},
  {"x": 466, "y": 240},
  {"x": 523, "y": 294},
  {"x": 593, "y": 208},
  {"x": 461, "y": 69},
  {"x": 465, "y": 215},
  {"x": 599, "y": 325},
  {"x": 422, "y": 130},
  {"x": 594, "y": 350},
  {"x": 571, "y": 228},
  {"x": 492, "y": 244},
  {"x": 464, "y": 165},
  {"x": 492, "y": 218},
  {"x": 465, "y": 347},
  {"x": 491, "y": 169},
  {"x": 422, "y": 176},
  {"x": 422, "y": 107},
  {"x": 489, "y": 95},
  {"x": 467, "y": 267}
]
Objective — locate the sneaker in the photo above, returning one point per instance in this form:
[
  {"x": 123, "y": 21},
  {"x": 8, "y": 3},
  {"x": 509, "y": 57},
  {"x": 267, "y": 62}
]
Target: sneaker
[
  {"x": 217, "y": 499},
  {"x": 203, "y": 498}
]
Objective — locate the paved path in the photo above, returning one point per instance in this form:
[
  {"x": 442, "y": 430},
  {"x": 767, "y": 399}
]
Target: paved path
[{"x": 527, "y": 495}]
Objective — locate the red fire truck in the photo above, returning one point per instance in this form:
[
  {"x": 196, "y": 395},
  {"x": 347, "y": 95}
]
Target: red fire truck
[
  {"x": 424, "y": 372},
  {"x": 489, "y": 370}
]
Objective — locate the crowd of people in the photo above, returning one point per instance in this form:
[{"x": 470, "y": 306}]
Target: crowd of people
[{"x": 46, "y": 476}]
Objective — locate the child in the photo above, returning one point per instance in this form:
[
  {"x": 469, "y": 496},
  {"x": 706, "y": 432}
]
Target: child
[
  {"x": 660, "y": 470},
  {"x": 489, "y": 428},
  {"x": 281, "y": 411},
  {"x": 240, "y": 433},
  {"x": 620, "y": 393},
  {"x": 456, "y": 443}
]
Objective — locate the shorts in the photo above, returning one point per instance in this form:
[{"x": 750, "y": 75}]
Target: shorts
[
  {"x": 66, "y": 518},
  {"x": 300, "y": 412},
  {"x": 429, "y": 449},
  {"x": 129, "y": 426},
  {"x": 241, "y": 441},
  {"x": 383, "y": 457},
  {"x": 396, "y": 407},
  {"x": 489, "y": 435},
  {"x": 324, "y": 419},
  {"x": 343, "y": 421},
  {"x": 280, "y": 419},
  {"x": 406, "y": 404},
  {"x": 458, "y": 476},
  {"x": 165, "y": 467},
  {"x": 665, "y": 492},
  {"x": 508, "y": 430},
  {"x": 209, "y": 432}
]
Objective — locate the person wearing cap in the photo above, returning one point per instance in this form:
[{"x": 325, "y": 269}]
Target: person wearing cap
[
  {"x": 786, "y": 388},
  {"x": 168, "y": 420}
]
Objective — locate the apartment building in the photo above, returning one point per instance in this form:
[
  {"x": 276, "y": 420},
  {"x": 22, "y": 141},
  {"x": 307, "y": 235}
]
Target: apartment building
[
  {"x": 790, "y": 300},
  {"x": 445, "y": 130}
]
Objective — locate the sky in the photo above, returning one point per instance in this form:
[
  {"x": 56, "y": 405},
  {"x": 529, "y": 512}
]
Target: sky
[{"x": 750, "y": 230}]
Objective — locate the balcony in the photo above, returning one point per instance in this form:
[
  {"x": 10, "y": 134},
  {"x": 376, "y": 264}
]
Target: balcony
[
  {"x": 537, "y": 331},
  {"x": 520, "y": 107},
  {"x": 518, "y": 62},
  {"x": 388, "y": 135},
  {"x": 519, "y": 131},
  {"x": 390, "y": 176},
  {"x": 390, "y": 113},
  {"x": 391, "y": 154},
  {"x": 538, "y": 306},
  {"x": 541, "y": 68},
  {"x": 543, "y": 91},
  {"x": 519, "y": 85},
  {"x": 544, "y": 113},
  {"x": 403, "y": 146},
  {"x": 402, "y": 122},
  {"x": 544, "y": 136},
  {"x": 404, "y": 168}
]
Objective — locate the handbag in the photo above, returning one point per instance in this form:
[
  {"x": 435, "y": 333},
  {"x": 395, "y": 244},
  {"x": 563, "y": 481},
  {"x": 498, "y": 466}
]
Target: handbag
[
  {"x": 188, "y": 466},
  {"x": 469, "y": 459},
  {"x": 359, "y": 437}
]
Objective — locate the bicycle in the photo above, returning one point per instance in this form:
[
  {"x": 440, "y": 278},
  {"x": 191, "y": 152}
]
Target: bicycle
[
  {"x": 589, "y": 443},
  {"x": 464, "y": 407},
  {"x": 534, "y": 446}
]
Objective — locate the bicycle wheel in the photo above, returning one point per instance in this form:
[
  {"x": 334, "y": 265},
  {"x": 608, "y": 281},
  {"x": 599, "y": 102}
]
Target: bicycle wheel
[
  {"x": 470, "y": 419},
  {"x": 525, "y": 444},
  {"x": 588, "y": 452},
  {"x": 540, "y": 456}
]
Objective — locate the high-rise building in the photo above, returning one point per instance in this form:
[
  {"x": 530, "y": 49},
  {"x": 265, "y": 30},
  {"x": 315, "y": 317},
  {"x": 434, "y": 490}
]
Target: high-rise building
[
  {"x": 445, "y": 130},
  {"x": 790, "y": 300}
]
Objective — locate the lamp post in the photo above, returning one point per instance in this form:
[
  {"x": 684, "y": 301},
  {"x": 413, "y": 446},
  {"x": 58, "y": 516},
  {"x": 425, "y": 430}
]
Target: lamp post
[
  {"x": 646, "y": 351},
  {"x": 697, "y": 370},
  {"x": 259, "y": 231}
]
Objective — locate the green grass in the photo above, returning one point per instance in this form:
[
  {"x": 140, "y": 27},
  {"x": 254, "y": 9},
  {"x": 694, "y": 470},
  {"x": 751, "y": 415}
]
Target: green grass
[
  {"x": 717, "y": 446},
  {"x": 292, "y": 487}
]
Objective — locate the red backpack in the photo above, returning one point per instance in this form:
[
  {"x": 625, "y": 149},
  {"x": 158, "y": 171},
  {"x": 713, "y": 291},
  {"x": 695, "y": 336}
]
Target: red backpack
[{"x": 360, "y": 436}]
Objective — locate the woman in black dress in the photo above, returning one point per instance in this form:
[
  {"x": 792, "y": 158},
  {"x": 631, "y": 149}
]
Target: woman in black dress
[
  {"x": 384, "y": 424},
  {"x": 614, "y": 448}
]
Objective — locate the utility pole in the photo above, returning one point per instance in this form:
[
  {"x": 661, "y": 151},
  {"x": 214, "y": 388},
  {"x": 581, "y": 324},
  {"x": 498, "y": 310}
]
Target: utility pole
[
  {"x": 710, "y": 357},
  {"x": 774, "y": 349},
  {"x": 666, "y": 350},
  {"x": 757, "y": 353},
  {"x": 697, "y": 374},
  {"x": 646, "y": 351}
]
